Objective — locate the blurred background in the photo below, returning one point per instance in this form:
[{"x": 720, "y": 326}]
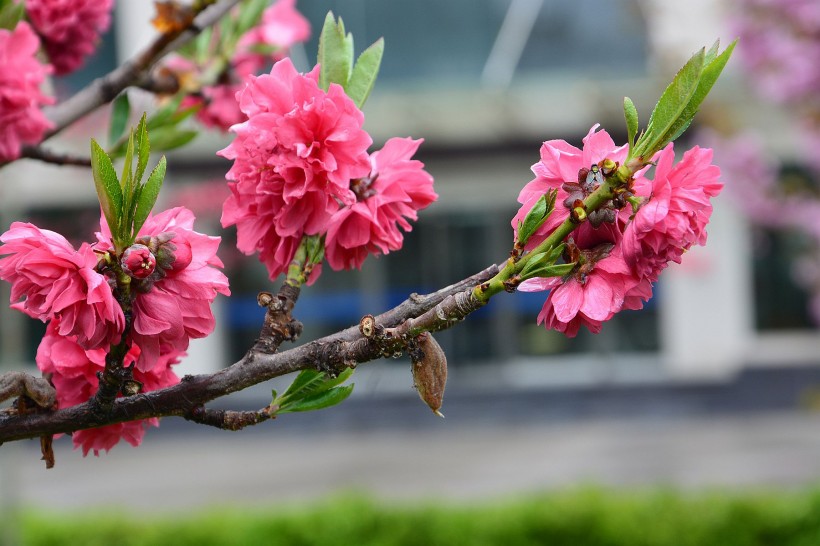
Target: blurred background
[{"x": 713, "y": 383}]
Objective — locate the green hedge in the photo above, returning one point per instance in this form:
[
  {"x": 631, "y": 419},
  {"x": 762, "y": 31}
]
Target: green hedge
[{"x": 588, "y": 517}]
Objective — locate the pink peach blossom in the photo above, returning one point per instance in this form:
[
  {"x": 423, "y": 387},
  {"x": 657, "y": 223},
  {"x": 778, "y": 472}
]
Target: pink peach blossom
[
  {"x": 51, "y": 280},
  {"x": 594, "y": 293},
  {"x": 560, "y": 163},
  {"x": 70, "y": 29},
  {"x": 675, "y": 216},
  {"x": 294, "y": 159},
  {"x": 21, "y": 75},
  {"x": 396, "y": 188},
  {"x": 177, "y": 305},
  {"x": 74, "y": 375},
  {"x": 311, "y": 138}
]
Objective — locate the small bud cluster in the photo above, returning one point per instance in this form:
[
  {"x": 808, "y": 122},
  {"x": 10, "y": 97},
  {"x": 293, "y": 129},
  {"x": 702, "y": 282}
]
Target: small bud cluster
[{"x": 152, "y": 258}]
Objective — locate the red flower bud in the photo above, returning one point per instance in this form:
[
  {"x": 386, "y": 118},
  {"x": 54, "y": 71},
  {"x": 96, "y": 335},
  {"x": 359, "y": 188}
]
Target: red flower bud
[
  {"x": 182, "y": 254},
  {"x": 138, "y": 261}
]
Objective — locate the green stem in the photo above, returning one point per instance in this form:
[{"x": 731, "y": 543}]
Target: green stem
[
  {"x": 593, "y": 202},
  {"x": 309, "y": 254}
]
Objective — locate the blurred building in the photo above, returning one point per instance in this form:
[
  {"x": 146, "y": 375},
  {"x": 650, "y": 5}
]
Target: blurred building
[{"x": 484, "y": 83}]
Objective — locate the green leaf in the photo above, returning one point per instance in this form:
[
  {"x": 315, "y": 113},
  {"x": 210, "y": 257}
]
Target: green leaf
[
  {"x": 319, "y": 400},
  {"x": 534, "y": 261},
  {"x": 11, "y": 14},
  {"x": 120, "y": 110},
  {"x": 168, "y": 138},
  {"x": 713, "y": 66},
  {"x": 310, "y": 383},
  {"x": 556, "y": 252},
  {"x": 536, "y": 217},
  {"x": 364, "y": 73},
  {"x": 148, "y": 194},
  {"x": 671, "y": 105},
  {"x": 126, "y": 180},
  {"x": 556, "y": 270},
  {"x": 631, "y": 117},
  {"x": 143, "y": 146},
  {"x": 335, "y": 53},
  {"x": 107, "y": 186},
  {"x": 304, "y": 380}
]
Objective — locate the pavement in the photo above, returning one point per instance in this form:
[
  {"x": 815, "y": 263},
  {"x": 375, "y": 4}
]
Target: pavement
[{"x": 490, "y": 444}]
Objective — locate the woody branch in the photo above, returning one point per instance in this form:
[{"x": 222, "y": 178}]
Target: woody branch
[{"x": 186, "y": 399}]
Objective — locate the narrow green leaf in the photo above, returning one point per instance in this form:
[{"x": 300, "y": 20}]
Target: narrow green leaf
[
  {"x": 556, "y": 252},
  {"x": 364, "y": 73},
  {"x": 125, "y": 178},
  {"x": 672, "y": 103},
  {"x": 546, "y": 271},
  {"x": 534, "y": 261},
  {"x": 310, "y": 383},
  {"x": 148, "y": 194},
  {"x": 709, "y": 76},
  {"x": 107, "y": 186},
  {"x": 303, "y": 379},
  {"x": 168, "y": 138},
  {"x": 631, "y": 117},
  {"x": 335, "y": 53},
  {"x": 318, "y": 401},
  {"x": 535, "y": 218},
  {"x": 120, "y": 110},
  {"x": 11, "y": 14},
  {"x": 143, "y": 146}
]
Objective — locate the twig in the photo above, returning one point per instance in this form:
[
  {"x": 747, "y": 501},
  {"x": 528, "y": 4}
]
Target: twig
[
  {"x": 48, "y": 156},
  {"x": 227, "y": 419},
  {"x": 332, "y": 352}
]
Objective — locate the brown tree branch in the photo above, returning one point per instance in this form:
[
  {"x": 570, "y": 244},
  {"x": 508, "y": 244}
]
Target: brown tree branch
[
  {"x": 227, "y": 419},
  {"x": 47, "y": 156},
  {"x": 331, "y": 353}
]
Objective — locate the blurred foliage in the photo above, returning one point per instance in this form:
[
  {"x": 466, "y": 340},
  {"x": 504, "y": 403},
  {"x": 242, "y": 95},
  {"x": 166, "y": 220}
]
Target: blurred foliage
[{"x": 587, "y": 516}]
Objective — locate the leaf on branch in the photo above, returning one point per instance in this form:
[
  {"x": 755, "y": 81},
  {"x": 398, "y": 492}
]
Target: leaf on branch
[
  {"x": 680, "y": 101},
  {"x": 143, "y": 148},
  {"x": 147, "y": 197},
  {"x": 536, "y": 217},
  {"x": 320, "y": 400},
  {"x": 365, "y": 72},
  {"x": 107, "y": 185},
  {"x": 312, "y": 390},
  {"x": 671, "y": 105},
  {"x": 335, "y": 53},
  {"x": 631, "y": 117}
]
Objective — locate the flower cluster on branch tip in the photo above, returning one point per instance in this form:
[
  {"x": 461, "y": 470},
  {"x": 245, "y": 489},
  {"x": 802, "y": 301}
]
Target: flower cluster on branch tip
[{"x": 620, "y": 257}]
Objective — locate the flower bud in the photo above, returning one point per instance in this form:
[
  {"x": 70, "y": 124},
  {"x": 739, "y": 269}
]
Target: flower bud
[
  {"x": 429, "y": 366},
  {"x": 138, "y": 261},
  {"x": 173, "y": 253}
]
